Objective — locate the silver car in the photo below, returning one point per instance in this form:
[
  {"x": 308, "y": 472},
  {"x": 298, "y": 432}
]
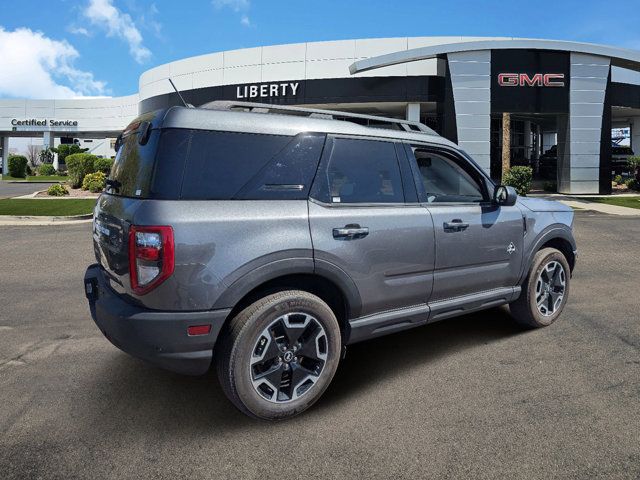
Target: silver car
[{"x": 264, "y": 240}]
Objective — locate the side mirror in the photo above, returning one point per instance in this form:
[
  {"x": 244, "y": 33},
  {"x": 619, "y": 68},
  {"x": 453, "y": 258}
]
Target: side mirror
[{"x": 505, "y": 196}]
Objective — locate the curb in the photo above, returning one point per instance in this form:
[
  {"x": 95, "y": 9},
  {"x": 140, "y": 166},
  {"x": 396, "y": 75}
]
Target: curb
[
  {"x": 35, "y": 196},
  {"x": 33, "y": 181}
]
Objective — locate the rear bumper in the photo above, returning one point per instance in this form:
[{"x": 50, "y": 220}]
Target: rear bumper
[{"x": 158, "y": 337}]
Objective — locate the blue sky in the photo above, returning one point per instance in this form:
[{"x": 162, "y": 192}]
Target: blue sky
[{"x": 65, "y": 48}]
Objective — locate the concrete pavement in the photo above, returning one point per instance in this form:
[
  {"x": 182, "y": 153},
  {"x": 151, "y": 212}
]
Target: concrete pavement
[
  {"x": 583, "y": 202},
  {"x": 474, "y": 397}
]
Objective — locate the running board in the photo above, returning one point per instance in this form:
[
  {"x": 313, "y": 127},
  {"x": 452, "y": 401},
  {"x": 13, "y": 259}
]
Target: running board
[
  {"x": 462, "y": 305},
  {"x": 391, "y": 321},
  {"x": 379, "y": 324}
]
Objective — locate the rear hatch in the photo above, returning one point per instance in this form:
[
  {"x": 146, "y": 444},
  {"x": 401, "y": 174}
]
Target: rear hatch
[{"x": 127, "y": 187}]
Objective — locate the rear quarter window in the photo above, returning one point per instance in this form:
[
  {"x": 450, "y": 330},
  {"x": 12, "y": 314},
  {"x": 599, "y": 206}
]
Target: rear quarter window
[
  {"x": 245, "y": 166},
  {"x": 219, "y": 164}
]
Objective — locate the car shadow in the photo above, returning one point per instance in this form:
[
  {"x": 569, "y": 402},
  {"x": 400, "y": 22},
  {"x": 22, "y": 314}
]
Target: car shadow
[
  {"x": 371, "y": 362},
  {"x": 132, "y": 395}
]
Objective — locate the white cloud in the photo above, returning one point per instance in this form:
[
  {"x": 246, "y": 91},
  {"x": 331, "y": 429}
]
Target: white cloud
[
  {"x": 78, "y": 30},
  {"x": 33, "y": 66},
  {"x": 237, "y": 6},
  {"x": 103, "y": 14}
]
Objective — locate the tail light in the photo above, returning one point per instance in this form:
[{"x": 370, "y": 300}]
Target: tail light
[{"x": 151, "y": 257}]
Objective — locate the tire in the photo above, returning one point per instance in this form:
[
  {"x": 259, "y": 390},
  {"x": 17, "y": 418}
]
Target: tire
[
  {"x": 526, "y": 310},
  {"x": 291, "y": 334}
]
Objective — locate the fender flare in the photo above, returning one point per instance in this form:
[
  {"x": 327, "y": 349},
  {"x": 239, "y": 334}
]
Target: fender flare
[
  {"x": 549, "y": 233},
  {"x": 292, "y": 266}
]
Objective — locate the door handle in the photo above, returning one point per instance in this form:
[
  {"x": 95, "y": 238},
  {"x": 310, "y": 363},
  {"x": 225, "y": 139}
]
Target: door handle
[
  {"x": 352, "y": 231},
  {"x": 455, "y": 225}
]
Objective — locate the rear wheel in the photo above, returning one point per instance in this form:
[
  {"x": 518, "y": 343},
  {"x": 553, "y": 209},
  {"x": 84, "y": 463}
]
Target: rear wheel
[
  {"x": 545, "y": 291},
  {"x": 279, "y": 354}
]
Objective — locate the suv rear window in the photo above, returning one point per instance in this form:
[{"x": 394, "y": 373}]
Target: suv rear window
[{"x": 133, "y": 166}]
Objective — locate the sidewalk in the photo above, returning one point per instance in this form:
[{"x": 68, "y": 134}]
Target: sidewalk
[
  {"x": 582, "y": 202},
  {"x": 12, "y": 221}
]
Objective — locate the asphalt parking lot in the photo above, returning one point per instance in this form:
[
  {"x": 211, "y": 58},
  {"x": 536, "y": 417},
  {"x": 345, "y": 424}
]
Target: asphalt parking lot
[
  {"x": 474, "y": 397},
  {"x": 14, "y": 189}
]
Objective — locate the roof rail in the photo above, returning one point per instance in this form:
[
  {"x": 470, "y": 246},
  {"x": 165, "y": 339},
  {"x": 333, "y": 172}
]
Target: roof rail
[{"x": 367, "y": 120}]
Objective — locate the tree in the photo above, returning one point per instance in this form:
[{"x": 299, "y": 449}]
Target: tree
[
  {"x": 65, "y": 150},
  {"x": 33, "y": 154},
  {"x": 506, "y": 143}
]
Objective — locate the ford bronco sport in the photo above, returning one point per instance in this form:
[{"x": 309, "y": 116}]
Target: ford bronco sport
[{"x": 264, "y": 239}]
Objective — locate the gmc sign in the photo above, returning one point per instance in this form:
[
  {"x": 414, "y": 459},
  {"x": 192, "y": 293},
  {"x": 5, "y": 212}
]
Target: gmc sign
[{"x": 536, "y": 80}]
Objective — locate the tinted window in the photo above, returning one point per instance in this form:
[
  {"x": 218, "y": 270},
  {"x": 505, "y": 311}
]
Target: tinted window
[
  {"x": 361, "y": 171},
  {"x": 133, "y": 166},
  {"x": 173, "y": 148},
  {"x": 444, "y": 180},
  {"x": 288, "y": 176},
  {"x": 219, "y": 164}
]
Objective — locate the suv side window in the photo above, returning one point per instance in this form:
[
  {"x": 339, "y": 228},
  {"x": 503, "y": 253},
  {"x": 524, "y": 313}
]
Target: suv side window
[
  {"x": 219, "y": 164},
  {"x": 444, "y": 179},
  {"x": 360, "y": 171}
]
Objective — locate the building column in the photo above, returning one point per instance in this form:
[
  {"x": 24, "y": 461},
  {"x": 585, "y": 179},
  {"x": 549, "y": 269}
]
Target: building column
[
  {"x": 527, "y": 140},
  {"x": 413, "y": 112},
  {"x": 4, "y": 141},
  {"x": 471, "y": 84},
  {"x": 579, "y": 171}
]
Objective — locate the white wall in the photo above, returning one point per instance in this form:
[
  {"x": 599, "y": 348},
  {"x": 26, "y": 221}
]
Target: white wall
[
  {"x": 301, "y": 61},
  {"x": 92, "y": 114}
]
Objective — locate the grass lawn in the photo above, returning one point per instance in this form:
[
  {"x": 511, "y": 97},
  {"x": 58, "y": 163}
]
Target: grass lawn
[
  {"x": 631, "y": 202},
  {"x": 49, "y": 207},
  {"x": 38, "y": 178}
]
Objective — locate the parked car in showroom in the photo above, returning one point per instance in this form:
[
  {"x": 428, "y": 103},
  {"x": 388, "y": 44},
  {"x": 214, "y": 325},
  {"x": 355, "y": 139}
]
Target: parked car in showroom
[{"x": 262, "y": 240}]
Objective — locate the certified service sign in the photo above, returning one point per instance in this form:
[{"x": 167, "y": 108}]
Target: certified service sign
[{"x": 34, "y": 122}]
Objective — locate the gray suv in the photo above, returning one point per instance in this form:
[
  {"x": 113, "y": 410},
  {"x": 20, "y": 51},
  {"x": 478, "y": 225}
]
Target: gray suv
[{"x": 264, "y": 239}]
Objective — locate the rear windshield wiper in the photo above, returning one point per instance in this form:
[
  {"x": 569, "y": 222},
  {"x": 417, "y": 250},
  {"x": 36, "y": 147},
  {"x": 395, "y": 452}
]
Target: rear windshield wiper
[{"x": 115, "y": 184}]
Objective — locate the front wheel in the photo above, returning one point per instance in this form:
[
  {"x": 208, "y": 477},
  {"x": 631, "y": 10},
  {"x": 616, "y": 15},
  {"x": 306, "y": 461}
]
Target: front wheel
[
  {"x": 279, "y": 354},
  {"x": 545, "y": 291}
]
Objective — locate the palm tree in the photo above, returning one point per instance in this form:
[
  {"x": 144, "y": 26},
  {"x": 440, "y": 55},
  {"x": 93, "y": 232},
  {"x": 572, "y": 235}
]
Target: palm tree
[{"x": 506, "y": 143}]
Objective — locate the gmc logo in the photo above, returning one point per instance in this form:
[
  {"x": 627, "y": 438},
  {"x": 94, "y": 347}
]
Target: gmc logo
[{"x": 537, "y": 80}]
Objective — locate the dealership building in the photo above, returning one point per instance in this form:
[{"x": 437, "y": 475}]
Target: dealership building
[{"x": 564, "y": 97}]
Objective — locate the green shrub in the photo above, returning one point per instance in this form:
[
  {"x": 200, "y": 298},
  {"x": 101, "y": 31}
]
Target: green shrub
[
  {"x": 29, "y": 171},
  {"x": 519, "y": 178},
  {"x": 632, "y": 184},
  {"x": 550, "y": 187},
  {"x": 94, "y": 182},
  {"x": 46, "y": 169},
  {"x": 18, "y": 166},
  {"x": 103, "y": 165},
  {"x": 79, "y": 165},
  {"x": 634, "y": 166},
  {"x": 57, "y": 190},
  {"x": 617, "y": 179}
]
